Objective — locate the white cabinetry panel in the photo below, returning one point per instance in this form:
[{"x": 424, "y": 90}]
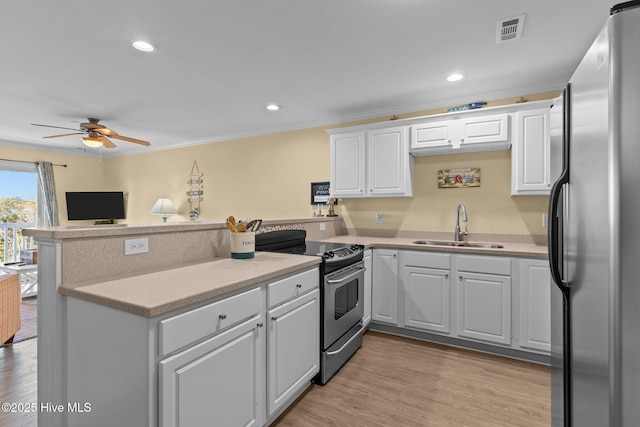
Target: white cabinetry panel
[
  {"x": 216, "y": 378},
  {"x": 484, "y": 307},
  {"x": 348, "y": 164},
  {"x": 384, "y": 299},
  {"x": 294, "y": 348},
  {"x": 535, "y": 304},
  {"x": 427, "y": 299},
  {"x": 530, "y": 158}
]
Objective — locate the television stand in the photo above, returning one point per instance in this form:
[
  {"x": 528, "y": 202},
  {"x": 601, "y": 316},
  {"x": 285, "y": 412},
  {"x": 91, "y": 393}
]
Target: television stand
[{"x": 103, "y": 222}]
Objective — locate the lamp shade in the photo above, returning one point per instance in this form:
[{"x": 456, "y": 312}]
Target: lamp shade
[
  {"x": 92, "y": 141},
  {"x": 163, "y": 207}
]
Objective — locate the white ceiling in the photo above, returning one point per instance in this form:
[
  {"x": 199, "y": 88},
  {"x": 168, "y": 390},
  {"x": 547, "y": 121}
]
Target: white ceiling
[{"x": 220, "y": 62}]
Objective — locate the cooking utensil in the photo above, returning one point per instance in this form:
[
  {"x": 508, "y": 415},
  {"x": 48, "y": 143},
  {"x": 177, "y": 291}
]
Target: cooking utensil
[
  {"x": 231, "y": 226},
  {"x": 241, "y": 228},
  {"x": 256, "y": 225}
]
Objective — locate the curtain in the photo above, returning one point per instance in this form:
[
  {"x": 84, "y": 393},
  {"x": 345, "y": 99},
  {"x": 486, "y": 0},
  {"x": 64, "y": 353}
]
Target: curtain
[{"x": 48, "y": 191}]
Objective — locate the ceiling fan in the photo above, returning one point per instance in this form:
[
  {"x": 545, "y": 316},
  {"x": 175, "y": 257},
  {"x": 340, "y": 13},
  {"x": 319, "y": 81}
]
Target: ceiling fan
[{"x": 96, "y": 134}]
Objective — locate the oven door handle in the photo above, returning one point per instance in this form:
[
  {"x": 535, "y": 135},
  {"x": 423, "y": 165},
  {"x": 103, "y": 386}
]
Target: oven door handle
[
  {"x": 331, "y": 353},
  {"x": 348, "y": 276}
]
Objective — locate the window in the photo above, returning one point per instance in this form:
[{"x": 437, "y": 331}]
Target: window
[{"x": 18, "y": 207}]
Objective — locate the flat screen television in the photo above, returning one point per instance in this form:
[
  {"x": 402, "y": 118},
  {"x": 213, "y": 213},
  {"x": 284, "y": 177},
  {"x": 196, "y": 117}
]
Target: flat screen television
[{"x": 98, "y": 205}]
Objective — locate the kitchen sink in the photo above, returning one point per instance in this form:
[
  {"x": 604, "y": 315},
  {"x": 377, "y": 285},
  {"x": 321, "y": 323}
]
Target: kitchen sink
[{"x": 459, "y": 244}]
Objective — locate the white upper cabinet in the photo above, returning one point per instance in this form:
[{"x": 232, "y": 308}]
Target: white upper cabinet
[
  {"x": 461, "y": 133},
  {"x": 373, "y": 163},
  {"x": 347, "y": 164},
  {"x": 530, "y": 158},
  {"x": 432, "y": 134},
  {"x": 376, "y": 160},
  {"x": 388, "y": 162}
]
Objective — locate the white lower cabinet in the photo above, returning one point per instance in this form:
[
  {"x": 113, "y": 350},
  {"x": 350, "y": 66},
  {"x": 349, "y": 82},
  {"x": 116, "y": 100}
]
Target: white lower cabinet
[
  {"x": 216, "y": 382},
  {"x": 293, "y": 348},
  {"x": 484, "y": 307},
  {"x": 427, "y": 294},
  {"x": 384, "y": 295},
  {"x": 484, "y": 298},
  {"x": 535, "y": 305},
  {"x": 235, "y": 360},
  {"x": 366, "y": 319},
  {"x": 490, "y": 299}
]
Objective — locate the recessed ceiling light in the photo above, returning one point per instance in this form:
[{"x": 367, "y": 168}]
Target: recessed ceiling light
[
  {"x": 143, "y": 46},
  {"x": 273, "y": 107},
  {"x": 455, "y": 77}
]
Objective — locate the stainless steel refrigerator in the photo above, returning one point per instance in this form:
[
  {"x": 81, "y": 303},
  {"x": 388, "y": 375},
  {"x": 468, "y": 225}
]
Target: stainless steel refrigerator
[{"x": 594, "y": 233}]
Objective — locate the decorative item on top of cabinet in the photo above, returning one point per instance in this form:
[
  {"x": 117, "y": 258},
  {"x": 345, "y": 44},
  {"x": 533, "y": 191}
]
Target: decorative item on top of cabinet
[{"x": 195, "y": 191}]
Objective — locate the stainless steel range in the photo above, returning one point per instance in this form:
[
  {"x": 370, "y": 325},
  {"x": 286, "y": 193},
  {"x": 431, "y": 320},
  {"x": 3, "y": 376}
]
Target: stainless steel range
[{"x": 341, "y": 294}]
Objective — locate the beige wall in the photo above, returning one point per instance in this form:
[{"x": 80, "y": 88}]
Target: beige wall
[
  {"x": 261, "y": 177},
  {"x": 269, "y": 177}
]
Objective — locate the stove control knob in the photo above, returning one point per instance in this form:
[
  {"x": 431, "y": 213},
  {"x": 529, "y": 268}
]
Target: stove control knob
[{"x": 328, "y": 254}]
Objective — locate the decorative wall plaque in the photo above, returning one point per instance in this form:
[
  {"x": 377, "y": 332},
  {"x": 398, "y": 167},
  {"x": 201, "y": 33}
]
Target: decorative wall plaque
[
  {"x": 458, "y": 178},
  {"x": 194, "y": 195}
]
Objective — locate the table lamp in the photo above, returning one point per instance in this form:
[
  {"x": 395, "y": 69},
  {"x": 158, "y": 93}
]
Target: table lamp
[{"x": 163, "y": 207}]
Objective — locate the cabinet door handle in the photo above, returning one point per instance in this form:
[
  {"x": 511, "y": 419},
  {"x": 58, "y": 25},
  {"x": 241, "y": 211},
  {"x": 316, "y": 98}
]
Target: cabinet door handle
[
  {"x": 299, "y": 285},
  {"x": 222, "y": 316},
  {"x": 260, "y": 325},
  {"x": 274, "y": 318},
  {"x": 449, "y": 141},
  {"x": 446, "y": 276},
  {"x": 459, "y": 277},
  {"x": 462, "y": 140}
]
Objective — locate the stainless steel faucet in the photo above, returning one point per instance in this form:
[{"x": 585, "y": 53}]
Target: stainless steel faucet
[{"x": 460, "y": 235}]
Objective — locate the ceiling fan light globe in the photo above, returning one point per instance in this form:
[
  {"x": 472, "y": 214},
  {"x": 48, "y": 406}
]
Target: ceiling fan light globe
[{"x": 93, "y": 142}]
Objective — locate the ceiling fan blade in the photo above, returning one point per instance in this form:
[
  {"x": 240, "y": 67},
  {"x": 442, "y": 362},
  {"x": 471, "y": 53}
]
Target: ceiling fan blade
[
  {"x": 129, "y": 139},
  {"x": 106, "y": 142},
  {"x": 56, "y": 127},
  {"x": 64, "y": 134}
]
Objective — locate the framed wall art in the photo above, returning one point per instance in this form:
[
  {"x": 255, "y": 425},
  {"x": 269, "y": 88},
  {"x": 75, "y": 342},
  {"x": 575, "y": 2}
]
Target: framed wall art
[
  {"x": 459, "y": 178},
  {"x": 320, "y": 192}
]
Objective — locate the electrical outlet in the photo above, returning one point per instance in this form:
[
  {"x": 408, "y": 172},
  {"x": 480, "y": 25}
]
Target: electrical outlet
[
  {"x": 323, "y": 226},
  {"x": 545, "y": 220},
  {"x": 136, "y": 246},
  {"x": 379, "y": 218}
]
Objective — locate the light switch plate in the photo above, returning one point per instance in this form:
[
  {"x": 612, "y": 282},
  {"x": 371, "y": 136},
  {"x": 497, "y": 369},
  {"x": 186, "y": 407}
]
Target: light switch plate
[
  {"x": 379, "y": 218},
  {"x": 136, "y": 246}
]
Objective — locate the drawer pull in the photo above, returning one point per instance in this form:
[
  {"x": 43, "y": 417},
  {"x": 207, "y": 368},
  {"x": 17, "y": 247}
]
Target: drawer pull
[
  {"x": 446, "y": 276},
  {"x": 274, "y": 318},
  {"x": 299, "y": 285},
  {"x": 260, "y": 325},
  {"x": 460, "y": 277},
  {"x": 222, "y": 316}
]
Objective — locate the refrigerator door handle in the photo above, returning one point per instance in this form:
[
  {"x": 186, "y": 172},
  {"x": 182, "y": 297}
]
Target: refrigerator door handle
[
  {"x": 554, "y": 235},
  {"x": 556, "y": 228}
]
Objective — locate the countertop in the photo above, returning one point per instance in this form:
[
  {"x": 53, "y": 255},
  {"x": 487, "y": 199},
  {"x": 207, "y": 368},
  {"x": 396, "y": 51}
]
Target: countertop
[
  {"x": 159, "y": 292},
  {"x": 516, "y": 249}
]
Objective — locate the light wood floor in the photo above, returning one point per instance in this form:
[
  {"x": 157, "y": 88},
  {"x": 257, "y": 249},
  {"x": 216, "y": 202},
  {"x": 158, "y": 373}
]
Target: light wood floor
[
  {"x": 18, "y": 381},
  {"x": 394, "y": 381},
  {"x": 391, "y": 381}
]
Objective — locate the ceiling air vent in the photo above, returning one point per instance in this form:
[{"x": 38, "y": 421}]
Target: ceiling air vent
[{"x": 509, "y": 29}]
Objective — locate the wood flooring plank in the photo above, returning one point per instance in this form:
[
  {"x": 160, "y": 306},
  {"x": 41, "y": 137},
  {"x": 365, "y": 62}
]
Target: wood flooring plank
[
  {"x": 19, "y": 382},
  {"x": 396, "y": 381}
]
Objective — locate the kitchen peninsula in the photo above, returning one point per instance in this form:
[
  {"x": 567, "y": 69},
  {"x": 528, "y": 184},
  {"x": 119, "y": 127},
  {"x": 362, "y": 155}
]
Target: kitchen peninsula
[{"x": 105, "y": 317}]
